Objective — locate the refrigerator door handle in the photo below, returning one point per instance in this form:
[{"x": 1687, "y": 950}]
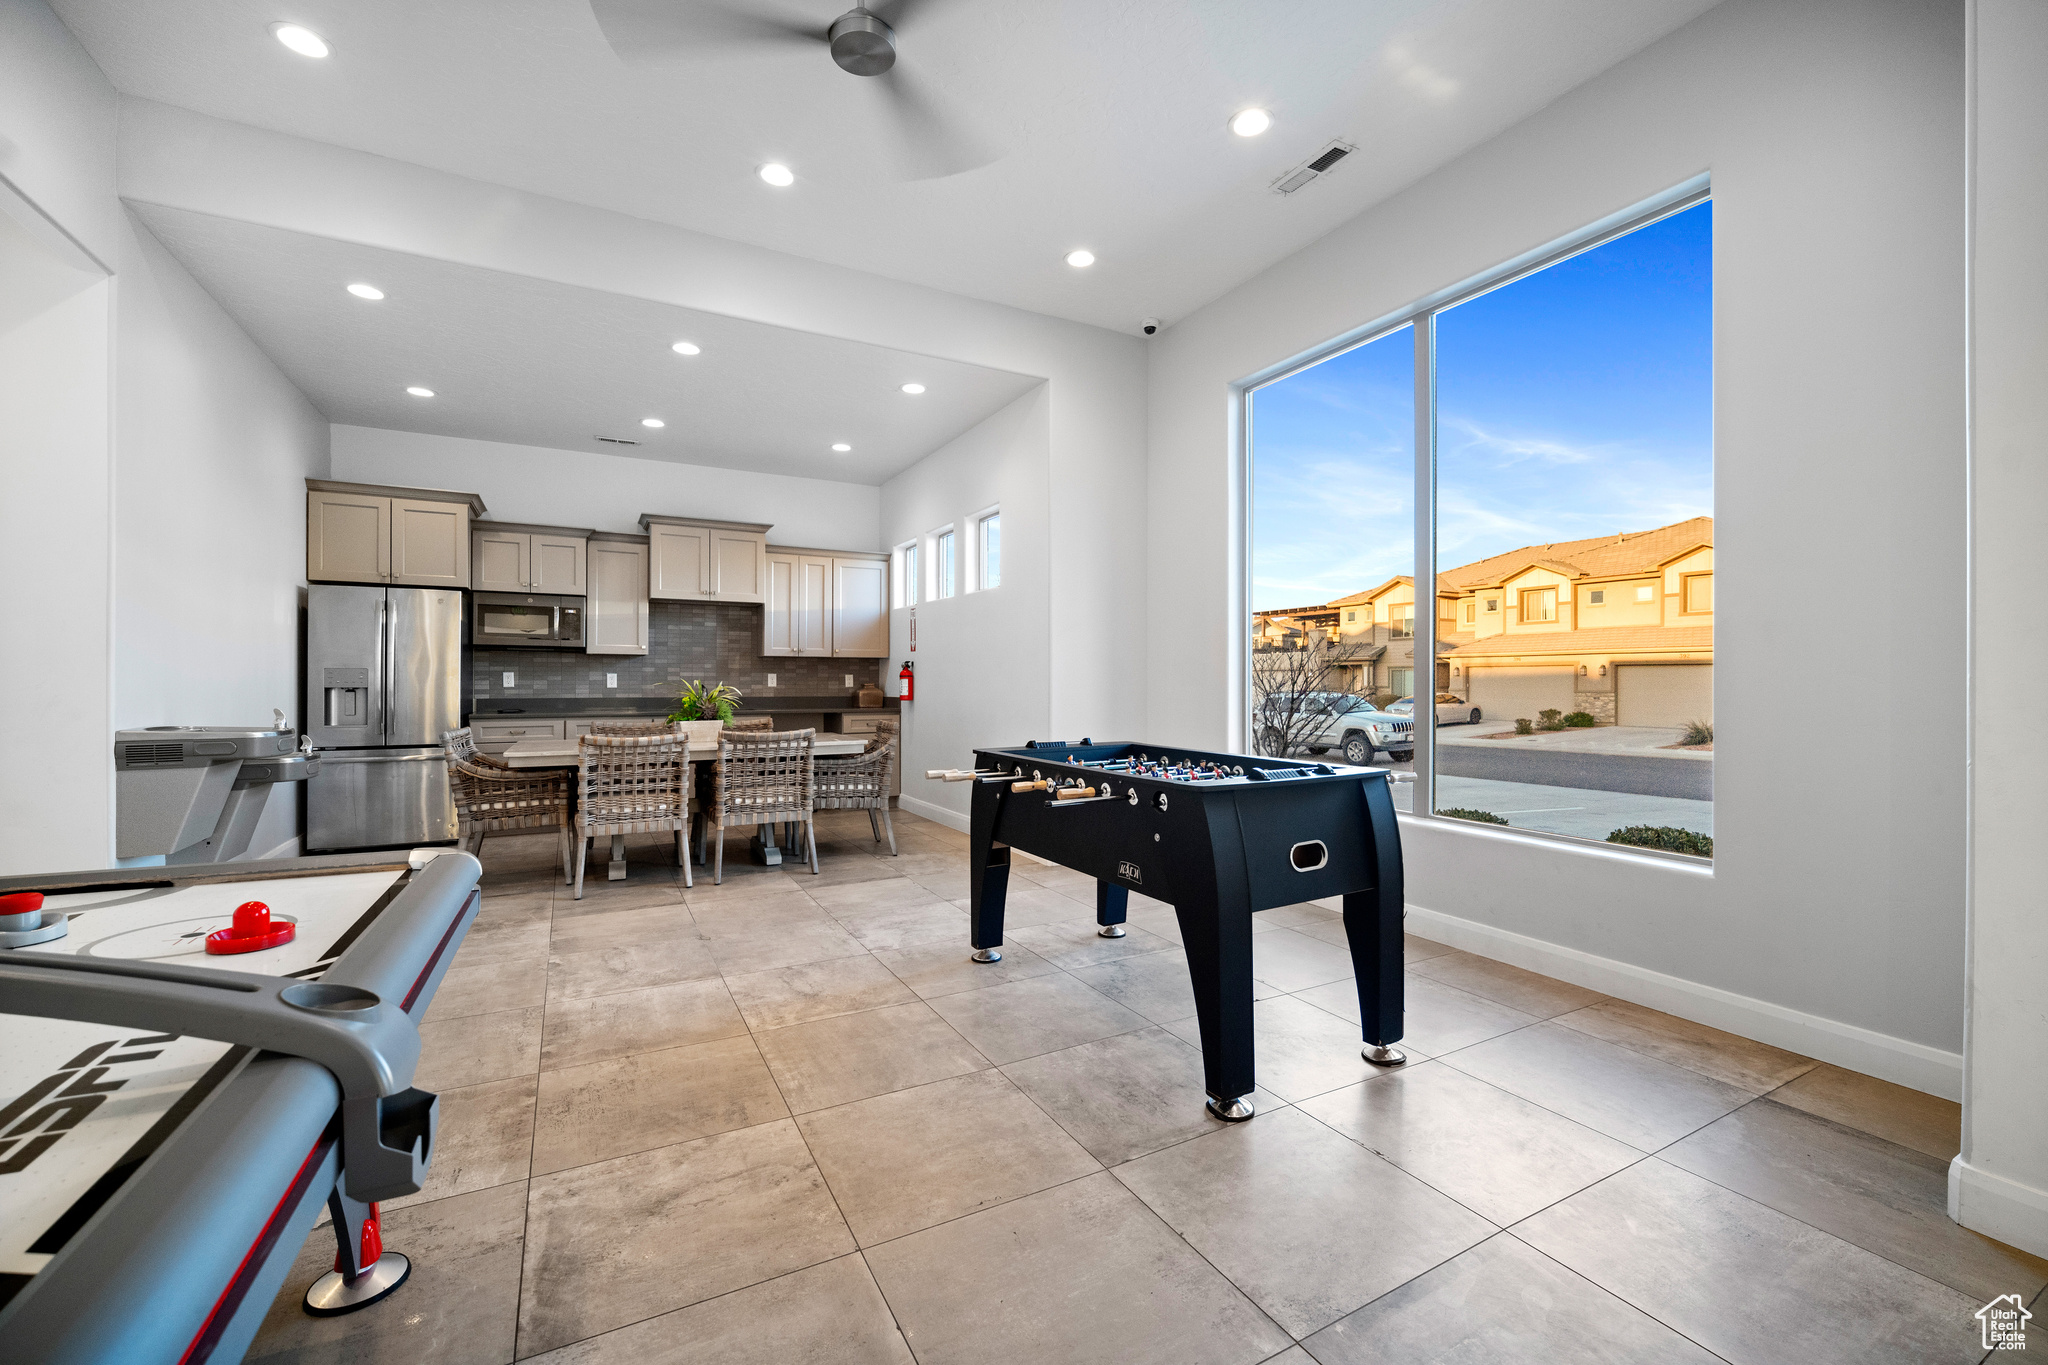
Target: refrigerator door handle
[{"x": 386, "y": 682}]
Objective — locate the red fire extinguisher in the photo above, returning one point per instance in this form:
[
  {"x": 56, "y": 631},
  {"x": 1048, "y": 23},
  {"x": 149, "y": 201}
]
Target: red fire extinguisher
[{"x": 905, "y": 693}]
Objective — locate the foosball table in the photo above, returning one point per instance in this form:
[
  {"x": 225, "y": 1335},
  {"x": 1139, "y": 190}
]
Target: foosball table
[{"x": 1219, "y": 837}]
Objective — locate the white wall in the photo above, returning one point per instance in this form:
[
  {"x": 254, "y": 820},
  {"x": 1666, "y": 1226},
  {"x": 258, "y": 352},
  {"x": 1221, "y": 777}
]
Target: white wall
[
  {"x": 213, "y": 446},
  {"x": 609, "y": 492},
  {"x": 1832, "y": 921},
  {"x": 1999, "y": 1183},
  {"x": 983, "y": 659},
  {"x": 150, "y": 459}
]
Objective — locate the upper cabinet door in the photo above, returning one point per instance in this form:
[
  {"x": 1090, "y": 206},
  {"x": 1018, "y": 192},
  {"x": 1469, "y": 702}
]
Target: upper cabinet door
[
  {"x": 558, "y": 565},
  {"x": 860, "y": 608},
  {"x": 348, "y": 538},
  {"x": 778, "y": 619},
  {"x": 615, "y": 618},
  {"x": 502, "y": 562},
  {"x": 681, "y": 562},
  {"x": 739, "y": 569},
  {"x": 813, "y": 629},
  {"x": 430, "y": 543}
]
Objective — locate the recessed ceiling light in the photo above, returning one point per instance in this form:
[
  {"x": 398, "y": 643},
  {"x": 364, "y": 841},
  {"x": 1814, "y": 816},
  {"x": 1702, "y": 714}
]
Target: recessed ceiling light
[
  {"x": 686, "y": 348},
  {"x": 418, "y": 392},
  {"x": 366, "y": 291},
  {"x": 300, "y": 39},
  {"x": 842, "y": 447},
  {"x": 1250, "y": 122},
  {"x": 652, "y": 422},
  {"x": 1080, "y": 260},
  {"x": 778, "y": 175},
  {"x": 913, "y": 388}
]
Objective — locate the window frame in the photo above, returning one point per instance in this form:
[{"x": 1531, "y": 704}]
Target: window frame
[
  {"x": 978, "y": 558},
  {"x": 1544, "y": 597},
  {"x": 1685, "y": 582},
  {"x": 945, "y": 563},
  {"x": 1421, "y": 315},
  {"x": 907, "y": 564}
]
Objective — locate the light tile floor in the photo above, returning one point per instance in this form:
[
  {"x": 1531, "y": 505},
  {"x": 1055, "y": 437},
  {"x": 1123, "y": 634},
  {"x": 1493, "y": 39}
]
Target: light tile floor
[{"x": 785, "y": 1120}]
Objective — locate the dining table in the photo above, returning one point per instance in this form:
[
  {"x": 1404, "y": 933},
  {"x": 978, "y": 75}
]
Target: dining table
[{"x": 562, "y": 753}]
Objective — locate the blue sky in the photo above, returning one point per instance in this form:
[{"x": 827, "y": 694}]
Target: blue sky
[{"x": 1574, "y": 402}]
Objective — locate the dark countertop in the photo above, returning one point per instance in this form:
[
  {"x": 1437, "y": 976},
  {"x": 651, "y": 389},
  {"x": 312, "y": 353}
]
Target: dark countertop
[{"x": 488, "y": 708}]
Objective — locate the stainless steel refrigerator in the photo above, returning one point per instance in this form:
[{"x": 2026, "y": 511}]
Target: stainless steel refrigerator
[{"x": 383, "y": 681}]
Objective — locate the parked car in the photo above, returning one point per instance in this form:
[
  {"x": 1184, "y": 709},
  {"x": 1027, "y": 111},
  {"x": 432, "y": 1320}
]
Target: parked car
[
  {"x": 1359, "y": 730},
  {"x": 1450, "y": 709}
]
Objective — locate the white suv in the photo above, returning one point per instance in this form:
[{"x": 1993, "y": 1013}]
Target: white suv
[{"x": 1360, "y": 730}]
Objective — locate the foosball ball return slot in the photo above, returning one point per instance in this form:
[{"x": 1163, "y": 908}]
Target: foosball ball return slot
[{"x": 1219, "y": 837}]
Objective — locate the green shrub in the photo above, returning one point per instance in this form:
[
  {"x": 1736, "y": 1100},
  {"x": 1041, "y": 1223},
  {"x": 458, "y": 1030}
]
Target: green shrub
[
  {"x": 1382, "y": 700},
  {"x": 1549, "y": 718},
  {"x": 1483, "y": 817},
  {"x": 1580, "y": 720},
  {"x": 1525, "y": 726},
  {"x": 1699, "y": 732},
  {"x": 1667, "y": 837}
]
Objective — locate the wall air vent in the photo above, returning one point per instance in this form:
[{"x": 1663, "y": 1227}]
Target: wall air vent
[
  {"x": 1315, "y": 168},
  {"x": 615, "y": 440}
]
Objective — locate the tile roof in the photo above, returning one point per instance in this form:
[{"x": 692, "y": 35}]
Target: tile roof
[
  {"x": 1597, "y": 557},
  {"x": 1599, "y": 640}
]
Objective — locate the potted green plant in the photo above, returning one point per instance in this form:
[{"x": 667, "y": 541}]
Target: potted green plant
[{"x": 703, "y": 710}]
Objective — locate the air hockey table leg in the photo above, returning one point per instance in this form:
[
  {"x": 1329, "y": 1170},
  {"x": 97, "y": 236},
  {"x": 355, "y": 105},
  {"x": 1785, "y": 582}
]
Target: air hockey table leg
[
  {"x": 1112, "y": 906},
  {"x": 364, "y": 1272}
]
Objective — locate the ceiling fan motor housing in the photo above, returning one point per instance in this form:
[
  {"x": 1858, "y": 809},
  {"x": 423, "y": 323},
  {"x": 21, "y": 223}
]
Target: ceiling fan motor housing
[{"x": 862, "y": 43}]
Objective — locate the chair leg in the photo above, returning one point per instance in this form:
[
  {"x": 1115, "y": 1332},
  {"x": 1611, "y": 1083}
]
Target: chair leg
[
  {"x": 889, "y": 825},
  {"x": 718, "y": 864},
  {"x": 683, "y": 855},
  {"x": 478, "y": 851},
  {"x": 811, "y": 839},
  {"x": 874, "y": 826},
  {"x": 582, "y": 853},
  {"x": 567, "y": 875}
]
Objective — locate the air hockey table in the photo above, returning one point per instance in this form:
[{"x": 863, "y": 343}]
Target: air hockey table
[{"x": 172, "y": 1122}]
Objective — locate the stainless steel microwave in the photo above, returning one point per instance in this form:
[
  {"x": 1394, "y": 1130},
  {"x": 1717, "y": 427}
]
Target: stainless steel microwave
[{"x": 526, "y": 620}]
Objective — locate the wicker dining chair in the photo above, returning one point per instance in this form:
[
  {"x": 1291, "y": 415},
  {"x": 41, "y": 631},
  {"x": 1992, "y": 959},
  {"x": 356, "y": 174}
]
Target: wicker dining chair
[
  {"x": 491, "y": 798},
  {"x": 632, "y": 784},
  {"x": 762, "y": 779},
  {"x": 631, "y": 729},
  {"x": 862, "y": 781}
]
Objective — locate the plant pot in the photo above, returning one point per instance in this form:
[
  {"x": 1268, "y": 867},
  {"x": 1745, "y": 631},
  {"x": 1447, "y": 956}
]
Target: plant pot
[{"x": 702, "y": 734}]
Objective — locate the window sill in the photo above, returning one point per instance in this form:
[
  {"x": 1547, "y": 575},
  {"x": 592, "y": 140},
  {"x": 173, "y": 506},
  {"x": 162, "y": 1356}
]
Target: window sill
[{"x": 1565, "y": 843}]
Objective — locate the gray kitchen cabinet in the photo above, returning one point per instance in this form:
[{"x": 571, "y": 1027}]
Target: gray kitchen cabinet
[
  {"x": 511, "y": 557},
  {"x": 798, "y": 615},
  {"x": 374, "y": 533},
  {"x": 615, "y": 615},
  {"x": 496, "y": 736},
  {"x": 690, "y": 560},
  {"x": 860, "y": 606},
  {"x": 826, "y": 604}
]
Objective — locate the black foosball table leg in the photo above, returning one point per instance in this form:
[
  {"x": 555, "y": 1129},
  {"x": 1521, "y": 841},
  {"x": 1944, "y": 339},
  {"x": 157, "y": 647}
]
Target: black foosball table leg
[
  {"x": 1112, "y": 907},
  {"x": 1375, "y": 935},
  {"x": 1218, "y": 942},
  {"x": 989, "y": 879},
  {"x": 364, "y": 1272}
]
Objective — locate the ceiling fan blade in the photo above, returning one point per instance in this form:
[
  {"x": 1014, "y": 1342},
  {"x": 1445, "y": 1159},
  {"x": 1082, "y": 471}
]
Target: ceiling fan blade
[
  {"x": 656, "y": 30},
  {"x": 930, "y": 144}
]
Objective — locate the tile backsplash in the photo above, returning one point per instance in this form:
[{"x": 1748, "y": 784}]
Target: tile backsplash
[{"x": 715, "y": 641}]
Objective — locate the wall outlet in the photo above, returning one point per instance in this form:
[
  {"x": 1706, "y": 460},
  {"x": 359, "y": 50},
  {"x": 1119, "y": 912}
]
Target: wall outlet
[
  {"x": 849, "y": 682},
  {"x": 771, "y": 680},
  {"x": 611, "y": 680},
  {"x": 509, "y": 679}
]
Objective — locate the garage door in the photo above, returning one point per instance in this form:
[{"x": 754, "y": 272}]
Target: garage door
[
  {"x": 1664, "y": 694},
  {"x": 1506, "y": 694}
]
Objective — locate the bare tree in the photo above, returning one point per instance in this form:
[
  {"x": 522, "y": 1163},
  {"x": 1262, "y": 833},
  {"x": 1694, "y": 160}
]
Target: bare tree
[{"x": 1290, "y": 693}]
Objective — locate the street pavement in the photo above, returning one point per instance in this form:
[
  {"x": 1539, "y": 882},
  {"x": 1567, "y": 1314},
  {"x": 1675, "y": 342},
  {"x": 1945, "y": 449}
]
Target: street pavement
[{"x": 1638, "y": 773}]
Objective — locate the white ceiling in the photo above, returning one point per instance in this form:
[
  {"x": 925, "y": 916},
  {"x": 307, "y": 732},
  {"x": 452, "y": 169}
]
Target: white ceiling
[
  {"x": 1108, "y": 117},
  {"x": 537, "y": 363}
]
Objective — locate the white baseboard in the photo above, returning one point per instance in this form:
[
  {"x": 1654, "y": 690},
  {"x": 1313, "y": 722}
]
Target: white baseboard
[
  {"x": 939, "y": 814},
  {"x": 2014, "y": 1213},
  {"x": 1877, "y": 1054}
]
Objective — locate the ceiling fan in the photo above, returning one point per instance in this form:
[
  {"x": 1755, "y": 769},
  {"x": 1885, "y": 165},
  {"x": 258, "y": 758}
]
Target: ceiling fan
[{"x": 862, "y": 41}]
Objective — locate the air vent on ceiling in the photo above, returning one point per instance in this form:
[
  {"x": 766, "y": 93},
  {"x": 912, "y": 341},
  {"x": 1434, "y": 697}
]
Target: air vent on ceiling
[
  {"x": 615, "y": 440},
  {"x": 1318, "y": 166}
]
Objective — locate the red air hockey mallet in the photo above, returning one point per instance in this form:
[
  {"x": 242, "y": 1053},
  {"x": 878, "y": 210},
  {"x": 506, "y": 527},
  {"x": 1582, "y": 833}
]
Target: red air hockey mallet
[{"x": 253, "y": 930}]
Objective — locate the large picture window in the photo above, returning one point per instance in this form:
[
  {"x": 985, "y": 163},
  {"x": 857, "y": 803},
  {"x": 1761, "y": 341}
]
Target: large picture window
[{"x": 1565, "y": 453}]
